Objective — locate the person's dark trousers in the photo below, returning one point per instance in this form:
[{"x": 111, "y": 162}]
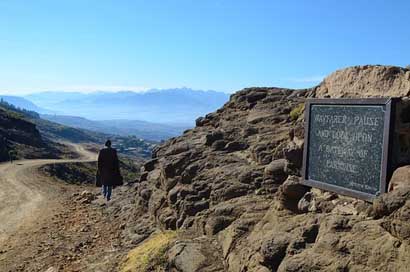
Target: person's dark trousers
[{"x": 107, "y": 190}]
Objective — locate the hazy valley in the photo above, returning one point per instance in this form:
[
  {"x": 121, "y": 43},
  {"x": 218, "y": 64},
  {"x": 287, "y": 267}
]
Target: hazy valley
[
  {"x": 153, "y": 115},
  {"x": 169, "y": 106}
]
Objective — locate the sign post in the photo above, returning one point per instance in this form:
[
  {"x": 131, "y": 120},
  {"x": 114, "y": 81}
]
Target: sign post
[{"x": 347, "y": 145}]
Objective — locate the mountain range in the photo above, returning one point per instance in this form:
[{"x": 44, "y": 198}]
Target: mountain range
[
  {"x": 154, "y": 115},
  {"x": 169, "y": 106}
]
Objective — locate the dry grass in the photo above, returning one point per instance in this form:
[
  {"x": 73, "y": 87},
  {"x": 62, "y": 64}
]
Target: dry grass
[
  {"x": 296, "y": 112},
  {"x": 150, "y": 255}
]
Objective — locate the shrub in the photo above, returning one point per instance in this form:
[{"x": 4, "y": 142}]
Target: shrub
[
  {"x": 296, "y": 112},
  {"x": 150, "y": 255}
]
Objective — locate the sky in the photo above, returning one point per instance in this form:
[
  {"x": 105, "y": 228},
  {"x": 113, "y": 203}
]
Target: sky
[{"x": 223, "y": 45}]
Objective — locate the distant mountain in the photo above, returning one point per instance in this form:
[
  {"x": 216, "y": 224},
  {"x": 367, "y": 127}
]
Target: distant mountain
[
  {"x": 141, "y": 129},
  {"x": 28, "y": 135},
  {"x": 23, "y": 103},
  {"x": 170, "y": 106}
]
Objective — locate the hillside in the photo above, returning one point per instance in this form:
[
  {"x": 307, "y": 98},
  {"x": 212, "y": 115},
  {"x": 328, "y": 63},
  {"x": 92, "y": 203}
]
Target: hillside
[
  {"x": 60, "y": 132},
  {"x": 130, "y": 146},
  {"x": 140, "y": 129},
  {"x": 23, "y": 103},
  {"x": 170, "y": 106},
  {"x": 123, "y": 127},
  {"x": 27, "y": 135},
  {"x": 226, "y": 196},
  {"x": 19, "y": 138},
  {"x": 232, "y": 183}
]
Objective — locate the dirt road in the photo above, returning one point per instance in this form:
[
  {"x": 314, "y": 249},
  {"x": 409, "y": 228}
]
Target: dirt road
[
  {"x": 49, "y": 225},
  {"x": 26, "y": 197}
]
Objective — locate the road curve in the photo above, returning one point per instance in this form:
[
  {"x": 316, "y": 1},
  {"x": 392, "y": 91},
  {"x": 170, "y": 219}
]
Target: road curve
[{"x": 25, "y": 195}]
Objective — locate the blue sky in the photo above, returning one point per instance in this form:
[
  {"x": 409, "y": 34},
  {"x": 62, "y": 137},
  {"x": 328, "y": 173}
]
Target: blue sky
[{"x": 210, "y": 44}]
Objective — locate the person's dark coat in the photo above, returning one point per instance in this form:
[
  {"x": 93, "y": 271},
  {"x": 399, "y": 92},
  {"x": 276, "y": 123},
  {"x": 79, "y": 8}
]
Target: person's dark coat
[{"x": 108, "y": 168}]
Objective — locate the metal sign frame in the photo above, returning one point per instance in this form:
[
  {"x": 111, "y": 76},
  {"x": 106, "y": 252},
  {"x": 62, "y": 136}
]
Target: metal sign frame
[{"x": 387, "y": 131}]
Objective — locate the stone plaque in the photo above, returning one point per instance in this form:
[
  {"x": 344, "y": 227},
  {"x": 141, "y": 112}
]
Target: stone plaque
[{"x": 346, "y": 145}]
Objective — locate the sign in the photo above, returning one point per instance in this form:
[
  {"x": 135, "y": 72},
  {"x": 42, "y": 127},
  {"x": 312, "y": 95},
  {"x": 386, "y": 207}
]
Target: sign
[{"x": 347, "y": 145}]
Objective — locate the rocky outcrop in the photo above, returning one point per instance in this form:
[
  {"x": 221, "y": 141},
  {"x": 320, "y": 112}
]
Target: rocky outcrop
[
  {"x": 366, "y": 81},
  {"x": 234, "y": 180},
  {"x": 238, "y": 151}
]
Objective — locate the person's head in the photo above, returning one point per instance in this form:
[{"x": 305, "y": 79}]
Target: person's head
[{"x": 108, "y": 143}]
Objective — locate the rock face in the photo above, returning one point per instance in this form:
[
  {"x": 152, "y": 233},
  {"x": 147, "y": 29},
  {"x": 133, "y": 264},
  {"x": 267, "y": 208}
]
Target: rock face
[
  {"x": 232, "y": 153},
  {"x": 366, "y": 81},
  {"x": 235, "y": 179}
]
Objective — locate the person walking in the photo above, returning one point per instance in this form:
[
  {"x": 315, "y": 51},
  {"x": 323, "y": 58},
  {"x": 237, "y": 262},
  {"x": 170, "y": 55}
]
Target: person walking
[
  {"x": 108, "y": 171},
  {"x": 10, "y": 156}
]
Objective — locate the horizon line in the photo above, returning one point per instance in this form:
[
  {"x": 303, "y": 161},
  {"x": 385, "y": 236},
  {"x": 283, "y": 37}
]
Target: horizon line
[{"x": 24, "y": 92}]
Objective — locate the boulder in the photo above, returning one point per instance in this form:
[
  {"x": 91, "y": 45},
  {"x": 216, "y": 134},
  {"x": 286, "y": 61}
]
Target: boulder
[
  {"x": 276, "y": 170},
  {"x": 235, "y": 146},
  {"x": 150, "y": 165},
  {"x": 219, "y": 145},
  {"x": 307, "y": 203},
  {"x": 400, "y": 178},
  {"x": 211, "y": 137},
  {"x": 186, "y": 257},
  {"x": 290, "y": 193},
  {"x": 386, "y": 204},
  {"x": 293, "y": 153},
  {"x": 399, "y": 225},
  {"x": 199, "y": 254}
]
